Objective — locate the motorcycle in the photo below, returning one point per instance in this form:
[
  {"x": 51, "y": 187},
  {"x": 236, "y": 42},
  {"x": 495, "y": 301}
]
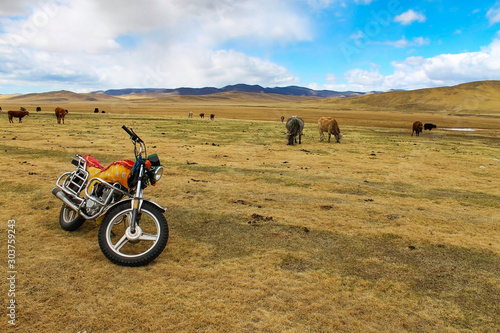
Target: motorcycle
[{"x": 133, "y": 231}]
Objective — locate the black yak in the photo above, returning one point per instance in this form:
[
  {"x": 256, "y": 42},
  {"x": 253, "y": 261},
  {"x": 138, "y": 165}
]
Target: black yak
[{"x": 295, "y": 126}]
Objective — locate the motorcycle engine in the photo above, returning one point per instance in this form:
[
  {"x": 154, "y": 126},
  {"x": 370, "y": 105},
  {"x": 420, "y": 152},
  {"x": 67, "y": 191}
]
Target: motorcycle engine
[
  {"x": 92, "y": 207},
  {"x": 107, "y": 191},
  {"x": 101, "y": 193}
]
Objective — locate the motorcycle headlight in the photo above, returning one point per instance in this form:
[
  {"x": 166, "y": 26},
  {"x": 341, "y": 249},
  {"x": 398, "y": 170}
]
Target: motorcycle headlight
[{"x": 158, "y": 173}]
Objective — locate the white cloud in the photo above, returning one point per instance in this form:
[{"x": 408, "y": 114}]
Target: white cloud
[
  {"x": 108, "y": 44},
  {"x": 403, "y": 42},
  {"x": 14, "y": 8},
  {"x": 363, "y": 77},
  {"x": 357, "y": 35},
  {"x": 420, "y": 72},
  {"x": 366, "y": 2},
  {"x": 327, "y": 3},
  {"x": 409, "y": 17},
  {"x": 493, "y": 14}
]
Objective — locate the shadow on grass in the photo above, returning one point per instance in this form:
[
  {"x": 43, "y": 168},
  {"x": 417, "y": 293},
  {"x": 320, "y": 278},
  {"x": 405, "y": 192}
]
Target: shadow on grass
[{"x": 467, "y": 278}]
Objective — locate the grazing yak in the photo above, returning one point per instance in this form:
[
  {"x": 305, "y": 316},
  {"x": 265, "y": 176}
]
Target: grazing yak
[
  {"x": 212, "y": 116},
  {"x": 330, "y": 126},
  {"x": 38, "y": 109},
  {"x": 417, "y": 128},
  {"x": 202, "y": 115},
  {"x": 60, "y": 114},
  {"x": 429, "y": 126},
  {"x": 294, "y": 126},
  {"x": 17, "y": 114}
]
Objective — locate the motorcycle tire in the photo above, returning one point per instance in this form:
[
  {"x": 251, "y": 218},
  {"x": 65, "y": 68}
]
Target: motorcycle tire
[
  {"x": 70, "y": 220},
  {"x": 144, "y": 246}
]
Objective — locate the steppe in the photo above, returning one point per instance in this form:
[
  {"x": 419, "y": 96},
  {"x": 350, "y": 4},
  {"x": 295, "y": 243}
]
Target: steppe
[{"x": 384, "y": 232}]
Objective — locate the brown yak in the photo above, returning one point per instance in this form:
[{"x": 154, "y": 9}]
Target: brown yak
[
  {"x": 330, "y": 126},
  {"x": 60, "y": 114},
  {"x": 417, "y": 128},
  {"x": 17, "y": 114}
]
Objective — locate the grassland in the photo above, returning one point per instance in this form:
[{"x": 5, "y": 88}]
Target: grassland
[{"x": 382, "y": 233}]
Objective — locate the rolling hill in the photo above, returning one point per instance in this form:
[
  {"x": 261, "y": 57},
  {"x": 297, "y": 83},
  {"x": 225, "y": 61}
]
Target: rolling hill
[
  {"x": 225, "y": 98},
  {"x": 61, "y": 96},
  {"x": 481, "y": 97},
  {"x": 245, "y": 88}
]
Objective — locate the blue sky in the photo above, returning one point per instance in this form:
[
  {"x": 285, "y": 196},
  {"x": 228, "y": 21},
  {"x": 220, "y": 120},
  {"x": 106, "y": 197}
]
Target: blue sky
[{"x": 360, "y": 45}]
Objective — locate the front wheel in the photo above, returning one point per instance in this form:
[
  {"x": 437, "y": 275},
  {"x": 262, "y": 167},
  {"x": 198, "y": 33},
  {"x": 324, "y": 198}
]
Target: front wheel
[
  {"x": 124, "y": 248},
  {"x": 70, "y": 220}
]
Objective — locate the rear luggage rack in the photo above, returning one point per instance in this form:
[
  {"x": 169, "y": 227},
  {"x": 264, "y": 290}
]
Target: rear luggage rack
[{"x": 76, "y": 180}]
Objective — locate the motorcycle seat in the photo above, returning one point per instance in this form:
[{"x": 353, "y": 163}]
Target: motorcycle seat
[{"x": 95, "y": 163}]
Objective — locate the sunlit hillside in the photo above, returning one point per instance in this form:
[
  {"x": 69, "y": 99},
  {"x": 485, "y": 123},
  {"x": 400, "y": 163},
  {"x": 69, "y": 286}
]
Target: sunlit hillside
[
  {"x": 62, "y": 96},
  {"x": 481, "y": 97}
]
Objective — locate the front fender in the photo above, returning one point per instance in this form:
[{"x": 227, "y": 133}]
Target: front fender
[{"x": 142, "y": 200}]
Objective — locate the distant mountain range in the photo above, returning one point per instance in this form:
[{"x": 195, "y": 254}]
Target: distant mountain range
[{"x": 290, "y": 91}]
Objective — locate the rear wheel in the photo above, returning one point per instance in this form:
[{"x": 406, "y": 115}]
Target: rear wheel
[
  {"x": 70, "y": 220},
  {"x": 124, "y": 248}
]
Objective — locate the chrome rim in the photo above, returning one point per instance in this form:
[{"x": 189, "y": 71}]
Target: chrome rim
[
  {"x": 69, "y": 215},
  {"x": 127, "y": 244}
]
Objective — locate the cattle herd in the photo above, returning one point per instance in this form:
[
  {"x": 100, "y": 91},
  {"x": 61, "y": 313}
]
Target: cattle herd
[
  {"x": 59, "y": 112},
  {"x": 418, "y": 127},
  {"x": 202, "y": 115},
  {"x": 294, "y": 124},
  {"x": 295, "y": 127}
]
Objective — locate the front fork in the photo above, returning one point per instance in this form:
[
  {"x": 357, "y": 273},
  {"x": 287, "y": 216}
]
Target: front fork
[{"x": 137, "y": 202}]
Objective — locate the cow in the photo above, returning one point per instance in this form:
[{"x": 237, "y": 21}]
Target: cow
[
  {"x": 417, "y": 128},
  {"x": 202, "y": 115},
  {"x": 60, "y": 114},
  {"x": 294, "y": 126},
  {"x": 330, "y": 126},
  {"x": 212, "y": 116},
  {"x": 190, "y": 115},
  {"x": 17, "y": 114},
  {"x": 38, "y": 109},
  {"x": 96, "y": 110},
  {"x": 429, "y": 126}
]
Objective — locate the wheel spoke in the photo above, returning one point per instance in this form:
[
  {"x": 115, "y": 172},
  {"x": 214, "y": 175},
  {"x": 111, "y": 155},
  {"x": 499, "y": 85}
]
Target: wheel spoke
[
  {"x": 120, "y": 243},
  {"x": 148, "y": 237}
]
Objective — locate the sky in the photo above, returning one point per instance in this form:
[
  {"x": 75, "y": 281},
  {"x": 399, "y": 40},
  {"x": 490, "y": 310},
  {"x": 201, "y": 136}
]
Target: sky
[{"x": 342, "y": 45}]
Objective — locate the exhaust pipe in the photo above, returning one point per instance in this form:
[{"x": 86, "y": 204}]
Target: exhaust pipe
[{"x": 62, "y": 196}]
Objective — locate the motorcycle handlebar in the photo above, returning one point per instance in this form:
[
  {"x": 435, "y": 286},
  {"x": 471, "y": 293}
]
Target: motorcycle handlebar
[{"x": 133, "y": 136}]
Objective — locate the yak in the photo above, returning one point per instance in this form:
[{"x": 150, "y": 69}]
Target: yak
[
  {"x": 330, "y": 126},
  {"x": 295, "y": 127},
  {"x": 417, "y": 128}
]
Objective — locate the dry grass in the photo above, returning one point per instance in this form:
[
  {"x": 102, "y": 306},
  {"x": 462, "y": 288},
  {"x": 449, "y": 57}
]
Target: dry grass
[{"x": 382, "y": 233}]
